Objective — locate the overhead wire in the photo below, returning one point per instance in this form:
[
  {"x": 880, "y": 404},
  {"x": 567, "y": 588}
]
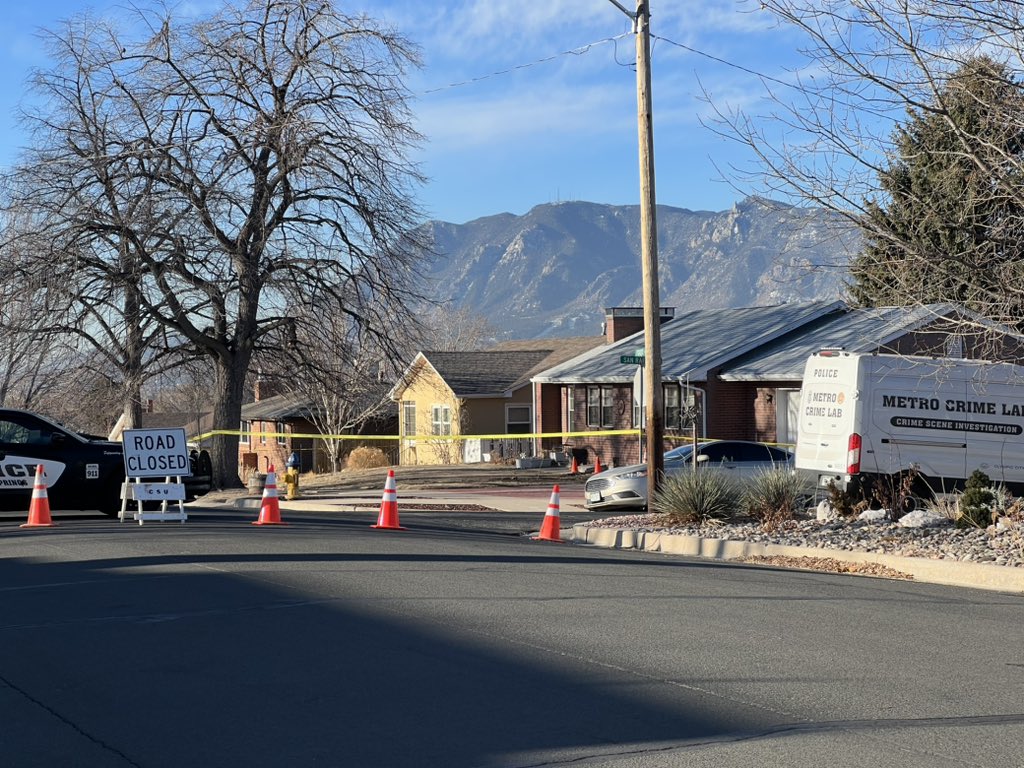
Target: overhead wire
[
  {"x": 579, "y": 51},
  {"x": 722, "y": 61},
  {"x": 586, "y": 48}
]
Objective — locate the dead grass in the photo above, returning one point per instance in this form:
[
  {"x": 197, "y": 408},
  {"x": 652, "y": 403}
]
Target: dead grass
[{"x": 828, "y": 565}]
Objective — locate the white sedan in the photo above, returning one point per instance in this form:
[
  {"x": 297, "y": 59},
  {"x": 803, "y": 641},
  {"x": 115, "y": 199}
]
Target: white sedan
[{"x": 626, "y": 487}]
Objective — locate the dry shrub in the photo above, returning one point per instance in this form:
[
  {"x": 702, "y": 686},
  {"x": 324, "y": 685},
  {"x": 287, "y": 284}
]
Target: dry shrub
[
  {"x": 775, "y": 496},
  {"x": 366, "y": 458}
]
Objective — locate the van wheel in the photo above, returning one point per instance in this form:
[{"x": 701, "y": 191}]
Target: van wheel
[
  {"x": 920, "y": 493},
  {"x": 910, "y": 504}
]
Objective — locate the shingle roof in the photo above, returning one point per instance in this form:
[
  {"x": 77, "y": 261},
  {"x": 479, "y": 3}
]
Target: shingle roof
[
  {"x": 483, "y": 373},
  {"x": 692, "y": 343},
  {"x": 560, "y": 350},
  {"x": 277, "y": 408},
  {"x": 855, "y": 330}
]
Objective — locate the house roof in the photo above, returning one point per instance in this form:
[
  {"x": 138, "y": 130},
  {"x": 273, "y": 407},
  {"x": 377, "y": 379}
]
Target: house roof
[
  {"x": 855, "y": 330},
  {"x": 693, "y": 343},
  {"x": 191, "y": 422},
  {"x": 483, "y": 373},
  {"x": 277, "y": 408},
  {"x": 559, "y": 350},
  {"x": 500, "y": 370}
]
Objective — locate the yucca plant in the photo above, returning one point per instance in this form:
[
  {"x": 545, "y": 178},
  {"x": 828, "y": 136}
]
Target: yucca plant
[
  {"x": 775, "y": 495},
  {"x": 696, "y": 496}
]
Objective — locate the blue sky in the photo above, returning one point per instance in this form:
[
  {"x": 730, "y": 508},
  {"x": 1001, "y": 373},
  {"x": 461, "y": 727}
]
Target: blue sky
[{"x": 561, "y": 125}]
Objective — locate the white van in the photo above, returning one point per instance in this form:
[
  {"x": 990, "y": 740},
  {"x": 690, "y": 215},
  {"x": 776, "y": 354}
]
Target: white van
[{"x": 864, "y": 416}]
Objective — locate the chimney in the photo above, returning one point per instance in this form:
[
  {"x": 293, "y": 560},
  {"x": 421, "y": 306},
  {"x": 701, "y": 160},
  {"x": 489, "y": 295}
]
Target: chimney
[
  {"x": 620, "y": 322},
  {"x": 262, "y": 388}
]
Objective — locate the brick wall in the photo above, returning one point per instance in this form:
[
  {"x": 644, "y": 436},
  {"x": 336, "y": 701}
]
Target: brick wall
[{"x": 730, "y": 409}]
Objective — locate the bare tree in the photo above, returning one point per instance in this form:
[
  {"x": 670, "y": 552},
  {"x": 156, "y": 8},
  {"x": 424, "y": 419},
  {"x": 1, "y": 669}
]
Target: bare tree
[
  {"x": 447, "y": 328},
  {"x": 185, "y": 389},
  {"x": 229, "y": 162},
  {"x": 835, "y": 130},
  {"x": 339, "y": 376}
]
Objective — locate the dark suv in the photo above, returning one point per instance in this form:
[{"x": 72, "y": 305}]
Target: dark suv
[{"x": 82, "y": 471}]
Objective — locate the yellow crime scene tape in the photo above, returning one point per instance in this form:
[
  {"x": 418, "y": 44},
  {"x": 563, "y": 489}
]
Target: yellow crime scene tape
[
  {"x": 453, "y": 438},
  {"x": 368, "y": 438}
]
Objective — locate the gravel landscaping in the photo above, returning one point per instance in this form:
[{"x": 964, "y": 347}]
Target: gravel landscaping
[{"x": 996, "y": 545}]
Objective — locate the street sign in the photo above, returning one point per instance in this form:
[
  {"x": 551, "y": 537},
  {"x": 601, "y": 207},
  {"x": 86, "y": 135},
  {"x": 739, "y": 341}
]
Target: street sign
[
  {"x": 632, "y": 359},
  {"x": 155, "y": 452}
]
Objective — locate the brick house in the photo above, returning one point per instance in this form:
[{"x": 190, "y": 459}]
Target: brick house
[
  {"x": 276, "y": 425},
  {"x": 268, "y": 425},
  {"x": 737, "y": 372},
  {"x": 482, "y": 394}
]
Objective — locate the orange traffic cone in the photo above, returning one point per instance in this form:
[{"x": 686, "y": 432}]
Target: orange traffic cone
[
  {"x": 39, "y": 507},
  {"x": 388, "y": 517},
  {"x": 551, "y": 529},
  {"x": 575, "y": 468},
  {"x": 270, "y": 509},
  {"x": 597, "y": 464}
]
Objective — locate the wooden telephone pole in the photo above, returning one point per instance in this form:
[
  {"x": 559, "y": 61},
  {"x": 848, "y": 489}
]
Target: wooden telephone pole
[{"x": 652, "y": 396}]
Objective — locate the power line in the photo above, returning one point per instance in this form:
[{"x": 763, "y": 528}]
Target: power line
[
  {"x": 573, "y": 52},
  {"x": 725, "y": 62}
]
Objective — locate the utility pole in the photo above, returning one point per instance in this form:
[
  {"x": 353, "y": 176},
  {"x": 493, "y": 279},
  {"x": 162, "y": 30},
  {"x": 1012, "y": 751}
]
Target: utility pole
[{"x": 648, "y": 248}]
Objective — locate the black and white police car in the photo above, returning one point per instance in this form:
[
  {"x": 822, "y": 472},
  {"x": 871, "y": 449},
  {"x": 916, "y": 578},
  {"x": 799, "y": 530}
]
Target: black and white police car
[{"x": 82, "y": 471}]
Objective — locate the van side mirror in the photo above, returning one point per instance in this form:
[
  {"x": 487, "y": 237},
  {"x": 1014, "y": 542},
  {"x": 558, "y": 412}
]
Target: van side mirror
[{"x": 703, "y": 458}]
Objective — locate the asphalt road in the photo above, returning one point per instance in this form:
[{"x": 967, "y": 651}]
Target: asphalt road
[{"x": 328, "y": 643}]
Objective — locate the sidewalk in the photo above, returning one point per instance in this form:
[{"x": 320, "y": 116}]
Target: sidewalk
[{"x": 534, "y": 500}]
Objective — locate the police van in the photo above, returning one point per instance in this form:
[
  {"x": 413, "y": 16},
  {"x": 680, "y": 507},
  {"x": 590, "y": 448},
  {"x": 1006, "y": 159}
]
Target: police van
[
  {"x": 82, "y": 472},
  {"x": 867, "y": 416}
]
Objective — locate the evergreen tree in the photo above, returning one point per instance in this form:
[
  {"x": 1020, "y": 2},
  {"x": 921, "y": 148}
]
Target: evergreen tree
[{"x": 948, "y": 226}]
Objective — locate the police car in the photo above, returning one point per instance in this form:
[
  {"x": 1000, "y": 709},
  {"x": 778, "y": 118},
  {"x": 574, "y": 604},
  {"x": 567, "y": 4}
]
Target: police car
[{"x": 82, "y": 471}]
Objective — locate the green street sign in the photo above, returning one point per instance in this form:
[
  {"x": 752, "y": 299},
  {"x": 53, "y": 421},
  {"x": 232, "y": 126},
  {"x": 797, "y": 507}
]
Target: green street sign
[{"x": 632, "y": 360}]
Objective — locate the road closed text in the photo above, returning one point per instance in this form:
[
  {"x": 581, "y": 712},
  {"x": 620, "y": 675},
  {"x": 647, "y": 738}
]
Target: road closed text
[
  {"x": 152, "y": 452},
  {"x": 171, "y": 464}
]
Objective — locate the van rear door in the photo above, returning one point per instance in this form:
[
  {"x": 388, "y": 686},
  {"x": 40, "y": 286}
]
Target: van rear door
[{"x": 828, "y": 402}]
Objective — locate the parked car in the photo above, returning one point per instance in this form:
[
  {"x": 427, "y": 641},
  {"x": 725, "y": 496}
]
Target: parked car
[
  {"x": 82, "y": 471},
  {"x": 626, "y": 487}
]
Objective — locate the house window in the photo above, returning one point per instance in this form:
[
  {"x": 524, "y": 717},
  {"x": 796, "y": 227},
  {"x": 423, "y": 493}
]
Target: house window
[
  {"x": 955, "y": 346},
  {"x": 246, "y": 436},
  {"x": 570, "y": 422},
  {"x": 672, "y": 403},
  {"x": 518, "y": 419},
  {"x": 279, "y": 429},
  {"x": 408, "y": 417},
  {"x": 440, "y": 420},
  {"x": 600, "y": 412},
  {"x": 263, "y": 432}
]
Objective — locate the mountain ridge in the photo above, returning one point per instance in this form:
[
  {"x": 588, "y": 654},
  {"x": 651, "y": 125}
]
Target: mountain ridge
[{"x": 553, "y": 270}]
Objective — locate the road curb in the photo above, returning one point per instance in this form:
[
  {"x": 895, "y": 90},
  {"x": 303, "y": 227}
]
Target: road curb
[{"x": 952, "y": 573}]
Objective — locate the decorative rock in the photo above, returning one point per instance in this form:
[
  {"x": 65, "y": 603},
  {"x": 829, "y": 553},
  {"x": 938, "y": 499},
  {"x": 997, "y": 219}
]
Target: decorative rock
[
  {"x": 921, "y": 518},
  {"x": 826, "y": 512},
  {"x": 873, "y": 515}
]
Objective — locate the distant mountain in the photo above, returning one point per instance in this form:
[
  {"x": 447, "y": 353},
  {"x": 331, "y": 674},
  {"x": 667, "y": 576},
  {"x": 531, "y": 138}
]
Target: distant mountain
[{"x": 552, "y": 271}]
